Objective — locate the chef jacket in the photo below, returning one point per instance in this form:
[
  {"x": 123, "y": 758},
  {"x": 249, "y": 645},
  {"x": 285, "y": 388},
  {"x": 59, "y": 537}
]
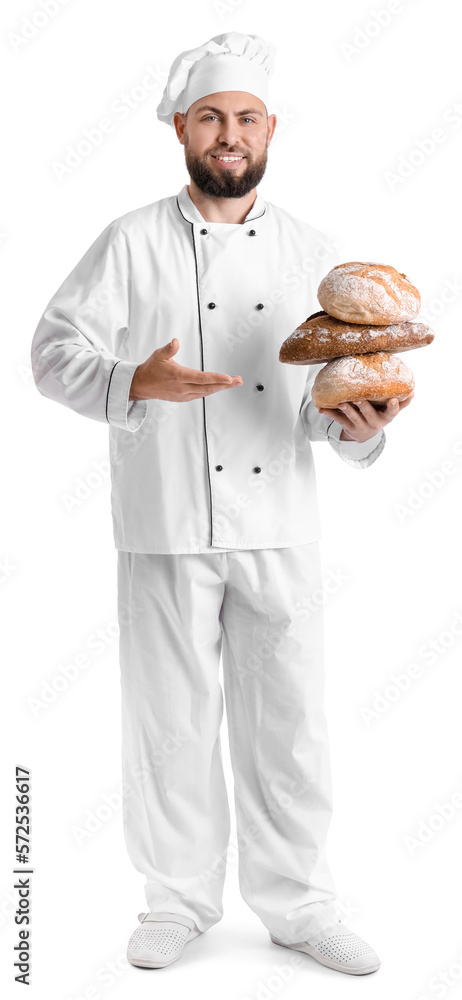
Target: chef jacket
[{"x": 232, "y": 470}]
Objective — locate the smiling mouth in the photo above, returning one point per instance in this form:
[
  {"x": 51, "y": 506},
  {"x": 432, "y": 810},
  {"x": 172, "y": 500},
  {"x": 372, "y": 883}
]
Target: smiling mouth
[{"x": 228, "y": 158}]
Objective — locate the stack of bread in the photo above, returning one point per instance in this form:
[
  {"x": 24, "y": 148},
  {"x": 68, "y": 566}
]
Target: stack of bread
[{"x": 368, "y": 313}]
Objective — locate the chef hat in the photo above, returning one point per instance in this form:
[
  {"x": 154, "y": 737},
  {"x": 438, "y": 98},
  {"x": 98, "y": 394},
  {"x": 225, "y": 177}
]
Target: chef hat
[{"x": 231, "y": 61}]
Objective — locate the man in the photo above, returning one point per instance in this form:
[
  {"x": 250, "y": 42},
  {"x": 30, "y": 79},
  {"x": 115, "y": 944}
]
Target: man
[{"x": 215, "y": 517}]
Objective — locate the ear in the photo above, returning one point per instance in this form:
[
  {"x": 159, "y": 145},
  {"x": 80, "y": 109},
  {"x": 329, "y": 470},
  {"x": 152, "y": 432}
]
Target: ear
[
  {"x": 271, "y": 127},
  {"x": 179, "y": 121}
]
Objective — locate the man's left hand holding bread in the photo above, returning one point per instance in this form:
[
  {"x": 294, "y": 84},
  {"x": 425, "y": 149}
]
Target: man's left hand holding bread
[{"x": 361, "y": 420}]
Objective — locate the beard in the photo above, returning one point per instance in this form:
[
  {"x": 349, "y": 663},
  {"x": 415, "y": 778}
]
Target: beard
[{"x": 222, "y": 183}]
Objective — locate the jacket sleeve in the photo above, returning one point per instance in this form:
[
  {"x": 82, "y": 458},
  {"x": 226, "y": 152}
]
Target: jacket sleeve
[
  {"x": 75, "y": 347},
  {"x": 320, "y": 427}
]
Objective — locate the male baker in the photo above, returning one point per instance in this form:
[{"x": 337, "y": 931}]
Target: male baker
[{"x": 169, "y": 330}]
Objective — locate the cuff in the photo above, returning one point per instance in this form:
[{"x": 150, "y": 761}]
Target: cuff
[
  {"x": 128, "y": 414},
  {"x": 354, "y": 449}
]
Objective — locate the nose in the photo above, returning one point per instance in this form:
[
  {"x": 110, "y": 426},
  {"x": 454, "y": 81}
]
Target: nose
[{"x": 228, "y": 132}]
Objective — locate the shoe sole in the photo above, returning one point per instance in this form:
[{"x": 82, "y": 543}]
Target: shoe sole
[
  {"x": 329, "y": 965},
  {"x": 152, "y": 965}
]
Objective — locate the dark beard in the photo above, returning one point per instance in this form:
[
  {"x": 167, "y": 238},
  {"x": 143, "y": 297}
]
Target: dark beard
[{"x": 224, "y": 183}]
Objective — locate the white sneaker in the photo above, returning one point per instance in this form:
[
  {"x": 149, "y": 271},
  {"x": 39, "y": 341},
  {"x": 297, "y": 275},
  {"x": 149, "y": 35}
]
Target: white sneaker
[
  {"x": 160, "y": 939},
  {"x": 339, "y": 949}
]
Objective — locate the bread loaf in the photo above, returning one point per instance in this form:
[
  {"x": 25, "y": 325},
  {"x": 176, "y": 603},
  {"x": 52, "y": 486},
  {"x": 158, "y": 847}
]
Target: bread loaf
[
  {"x": 376, "y": 376},
  {"x": 321, "y": 337},
  {"x": 359, "y": 292}
]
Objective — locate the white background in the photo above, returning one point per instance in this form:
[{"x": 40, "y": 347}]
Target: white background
[{"x": 354, "y": 99}]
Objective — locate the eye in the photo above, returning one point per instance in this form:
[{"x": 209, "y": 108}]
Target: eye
[{"x": 245, "y": 118}]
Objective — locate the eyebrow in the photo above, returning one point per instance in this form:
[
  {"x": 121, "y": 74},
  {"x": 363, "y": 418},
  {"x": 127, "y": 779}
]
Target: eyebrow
[{"x": 248, "y": 111}]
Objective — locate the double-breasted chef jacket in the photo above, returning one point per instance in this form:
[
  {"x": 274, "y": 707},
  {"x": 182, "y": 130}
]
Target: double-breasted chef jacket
[{"x": 232, "y": 470}]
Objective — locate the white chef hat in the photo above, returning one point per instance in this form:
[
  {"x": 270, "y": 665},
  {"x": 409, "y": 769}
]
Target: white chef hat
[{"x": 231, "y": 61}]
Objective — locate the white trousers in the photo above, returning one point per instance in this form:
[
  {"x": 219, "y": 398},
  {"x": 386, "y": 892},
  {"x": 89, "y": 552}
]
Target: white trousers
[{"x": 177, "y": 613}]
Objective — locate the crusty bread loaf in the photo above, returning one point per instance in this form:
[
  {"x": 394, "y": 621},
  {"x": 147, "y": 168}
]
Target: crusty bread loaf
[
  {"x": 376, "y": 376},
  {"x": 321, "y": 337},
  {"x": 360, "y": 292}
]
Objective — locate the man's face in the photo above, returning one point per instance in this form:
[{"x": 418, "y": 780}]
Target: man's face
[{"x": 225, "y": 124}]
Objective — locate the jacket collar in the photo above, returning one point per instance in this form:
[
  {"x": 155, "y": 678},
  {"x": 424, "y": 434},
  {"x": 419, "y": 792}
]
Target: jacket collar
[{"x": 192, "y": 214}]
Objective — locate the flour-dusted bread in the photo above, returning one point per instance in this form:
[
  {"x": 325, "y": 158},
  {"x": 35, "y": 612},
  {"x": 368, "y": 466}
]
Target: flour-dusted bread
[
  {"x": 359, "y": 292},
  {"x": 321, "y": 337},
  {"x": 376, "y": 377}
]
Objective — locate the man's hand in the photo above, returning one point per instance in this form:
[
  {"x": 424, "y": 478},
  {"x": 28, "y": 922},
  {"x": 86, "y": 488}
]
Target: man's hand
[
  {"x": 159, "y": 377},
  {"x": 360, "y": 421}
]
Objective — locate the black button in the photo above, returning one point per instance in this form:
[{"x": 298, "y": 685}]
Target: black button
[
  {"x": 204, "y": 232},
  {"x": 257, "y": 469},
  {"x": 260, "y": 305},
  {"x": 218, "y": 468},
  {"x": 260, "y": 387},
  {"x": 211, "y": 305},
  {"x": 252, "y": 232}
]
